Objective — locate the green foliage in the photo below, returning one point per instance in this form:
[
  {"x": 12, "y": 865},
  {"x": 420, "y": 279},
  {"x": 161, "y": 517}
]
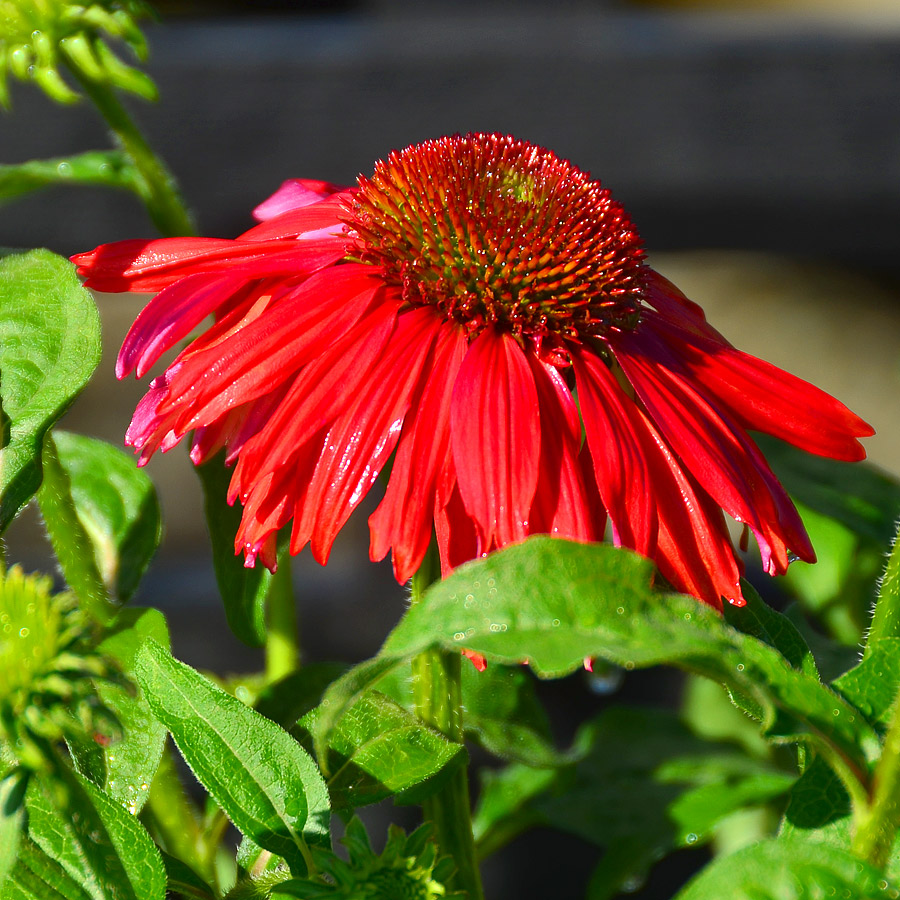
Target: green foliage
[
  {"x": 106, "y": 168},
  {"x": 260, "y": 776},
  {"x": 788, "y": 869},
  {"x": 36, "y": 36},
  {"x": 379, "y": 750},
  {"x": 642, "y": 782},
  {"x": 49, "y": 346},
  {"x": 409, "y": 868},
  {"x": 94, "y": 840}
]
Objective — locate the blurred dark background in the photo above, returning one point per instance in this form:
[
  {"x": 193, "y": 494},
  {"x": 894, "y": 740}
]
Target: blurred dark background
[{"x": 756, "y": 146}]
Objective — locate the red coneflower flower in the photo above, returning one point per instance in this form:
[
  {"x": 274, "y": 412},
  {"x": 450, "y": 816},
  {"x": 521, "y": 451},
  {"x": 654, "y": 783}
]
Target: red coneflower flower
[{"x": 481, "y": 309}]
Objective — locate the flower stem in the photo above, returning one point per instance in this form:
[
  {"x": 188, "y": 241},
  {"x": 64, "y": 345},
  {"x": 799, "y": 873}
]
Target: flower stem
[
  {"x": 437, "y": 689},
  {"x": 158, "y": 188},
  {"x": 282, "y": 633},
  {"x": 875, "y": 828},
  {"x": 886, "y": 617}
]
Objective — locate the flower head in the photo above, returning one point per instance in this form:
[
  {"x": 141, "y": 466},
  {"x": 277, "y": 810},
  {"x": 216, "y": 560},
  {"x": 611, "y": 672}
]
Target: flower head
[
  {"x": 36, "y": 35},
  {"x": 482, "y": 310}
]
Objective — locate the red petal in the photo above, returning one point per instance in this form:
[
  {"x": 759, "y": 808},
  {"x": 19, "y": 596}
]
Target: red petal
[
  {"x": 496, "y": 436},
  {"x": 561, "y": 506},
  {"x": 715, "y": 450},
  {"x": 365, "y": 434},
  {"x": 457, "y": 539},
  {"x": 326, "y": 214},
  {"x": 256, "y": 356},
  {"x": 404, "y": 518},
  {"x": 141, "y": 265},
  {"x": 694, "y": 550},
  {"x": 612, "y": 426},
  {"x": 294, "y": 194},
  {"x": 768, "y": 399},
  {"x": 316, "y": 398}
]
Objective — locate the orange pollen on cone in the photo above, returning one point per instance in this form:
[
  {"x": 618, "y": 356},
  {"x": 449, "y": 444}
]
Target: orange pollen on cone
[{"x": 493, "y": 230}]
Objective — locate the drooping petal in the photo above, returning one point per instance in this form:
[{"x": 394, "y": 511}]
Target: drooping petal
[
  {"x": 561, "y": 505},
  {"x": 454, "y": 529},
  {"x": 317, "y": 396},
  {"x": 766, "y": 398},
  {"x": 172, "y": 315},
  {"x": 258, "y": 355},
  {"x": 611, "y": 426},
  {"x": 293, "y": 194},
  {"x": 365, "y": 434},
  {"x": 716, "y": 451},
  {"x": 404, "y": 517},
  {"x": 694, "y": 550},
  {"x": 496, "y": 436},
  {"x": 142, "y": 265}
]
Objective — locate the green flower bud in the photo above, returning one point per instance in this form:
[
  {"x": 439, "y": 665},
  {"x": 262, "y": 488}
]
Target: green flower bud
[
  {"x": 48, "y": 664},
  {"x": 38, "y": 36}
]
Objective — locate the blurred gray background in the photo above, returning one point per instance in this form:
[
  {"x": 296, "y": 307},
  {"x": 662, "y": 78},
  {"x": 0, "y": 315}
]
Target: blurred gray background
[{"x": 757, "y": 147}]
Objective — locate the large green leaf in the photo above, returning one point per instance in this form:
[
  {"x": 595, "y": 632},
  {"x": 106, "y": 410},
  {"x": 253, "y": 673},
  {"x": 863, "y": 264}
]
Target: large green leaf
[
  {"x": 243, "y": 590},
  {"x": 49, "y": 346},
  {"x": 117, "y": 506},
  {"x": 871, "y": 686},
  {"x": 379, "y": 750},
  {"x": 108, "y": 168},
  {"x": 260, "y": 776},
  {"x": 552, "y": 603},
  {"x": 99, "y": 845},
  {"x": 788, "y": 869}
]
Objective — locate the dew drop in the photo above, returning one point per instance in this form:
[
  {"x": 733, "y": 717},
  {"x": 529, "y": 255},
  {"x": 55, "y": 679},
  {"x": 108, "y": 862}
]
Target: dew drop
[
  {"x": 604, "y": 679},
  {"x": 691, "y": 838},
  {"x": 740, "y": 667},
  {"x": 621, "y": 611},
  {"x": 458, "y": 636},
  {"x": 555, "y": 623},
  {"x": 24, "y": 631},
  {"x": 64, "y": 168}
]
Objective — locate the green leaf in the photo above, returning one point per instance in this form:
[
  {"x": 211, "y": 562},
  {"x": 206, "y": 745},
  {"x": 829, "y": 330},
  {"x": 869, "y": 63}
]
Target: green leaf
[
  {"x": 69, "y": 538},
  {"x": 788, "y": 869},
  {"x": 818, "y": 800},
  {"x": 552, "y": 603},
  {"x": 106, "y": 168},
  {"x": 503, "y": 713},
  {"x": 38, "y": 877},
  {"x": 379, "y": 750},
  {"x": 257, "y": 773},
  {"x": 858, "y": 495},
  {"x": 243, "y": 590},
  {"x": 117, "y": 507},
  {"x": 132, "y": 760},
  {"x": 871, "y": 686},
  {"x": 49, "y": 346},
  {"x": 759, "y": 620},
  {"x": 100, "y": 846}
]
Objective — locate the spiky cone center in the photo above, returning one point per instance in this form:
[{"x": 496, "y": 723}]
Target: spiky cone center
[{"x": 496, "y": 231}]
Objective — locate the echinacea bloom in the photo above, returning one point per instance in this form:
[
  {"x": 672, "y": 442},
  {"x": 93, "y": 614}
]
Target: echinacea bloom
[{"x": 482, "y": 310}]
